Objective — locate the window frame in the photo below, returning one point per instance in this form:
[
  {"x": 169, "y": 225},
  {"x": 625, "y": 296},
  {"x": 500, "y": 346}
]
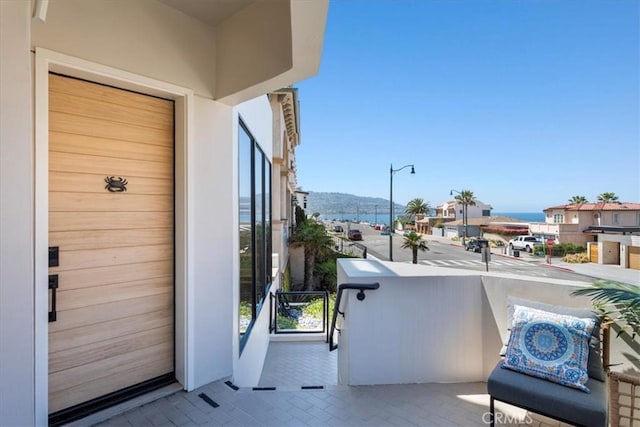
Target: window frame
[{"x": 261, "y": 227}]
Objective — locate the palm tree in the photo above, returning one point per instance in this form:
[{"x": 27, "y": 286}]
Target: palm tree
[
  {"x": 417, "y": 207},
  {"x": 607, "y": 197},
  {"x": 620, "y": 301},
  {"x": 414, "y": 242},
  {"x": 313, "y": 236},
  {"x": 465, "y": 198},
  {"x": 576, "y": 200}
]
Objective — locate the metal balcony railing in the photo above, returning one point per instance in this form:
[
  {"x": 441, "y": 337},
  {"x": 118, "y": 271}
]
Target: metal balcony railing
[{"x": 297, "y": 312}]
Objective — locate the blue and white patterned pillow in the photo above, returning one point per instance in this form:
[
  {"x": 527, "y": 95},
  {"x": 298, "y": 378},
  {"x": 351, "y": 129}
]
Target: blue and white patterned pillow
[{"x": 551, "y": 346}]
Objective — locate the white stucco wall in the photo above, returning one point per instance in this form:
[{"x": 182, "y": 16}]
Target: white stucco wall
[
  {"x": 420, "y": 338},
  {"x": 430, "y": 324},
  {"x": 17, "y": 376},
  {"x": 215, "y": 171},
  {"x": 247, "y": 367}
]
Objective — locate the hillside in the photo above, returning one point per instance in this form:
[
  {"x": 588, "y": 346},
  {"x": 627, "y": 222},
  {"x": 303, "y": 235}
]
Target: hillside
[{"x": 341, "y": 203}]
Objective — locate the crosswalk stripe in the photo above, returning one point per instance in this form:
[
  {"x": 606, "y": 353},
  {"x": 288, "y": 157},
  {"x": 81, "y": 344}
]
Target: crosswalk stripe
[{"x": 469, "y": 262}]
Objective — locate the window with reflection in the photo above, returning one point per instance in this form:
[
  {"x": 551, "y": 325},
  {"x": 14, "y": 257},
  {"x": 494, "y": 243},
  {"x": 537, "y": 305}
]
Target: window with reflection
[{"x": 254, "y": 186}]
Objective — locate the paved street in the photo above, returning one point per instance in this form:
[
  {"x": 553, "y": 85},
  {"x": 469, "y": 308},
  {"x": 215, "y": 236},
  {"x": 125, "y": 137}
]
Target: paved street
[{"x": 446, "y": 253}]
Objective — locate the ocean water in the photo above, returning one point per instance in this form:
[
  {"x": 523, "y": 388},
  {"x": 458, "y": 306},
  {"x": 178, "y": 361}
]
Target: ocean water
[
  {"x": 524, "y": 216},
  {"x": 383, "y": 218}
]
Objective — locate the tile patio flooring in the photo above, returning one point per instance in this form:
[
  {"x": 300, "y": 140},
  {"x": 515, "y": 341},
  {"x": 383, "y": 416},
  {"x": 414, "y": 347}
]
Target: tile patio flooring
[{"x": 288, "y": 367}]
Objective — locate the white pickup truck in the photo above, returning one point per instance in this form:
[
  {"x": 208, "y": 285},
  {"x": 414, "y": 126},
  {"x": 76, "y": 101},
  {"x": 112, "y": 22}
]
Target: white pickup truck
[{"x": 524, "y": 243}]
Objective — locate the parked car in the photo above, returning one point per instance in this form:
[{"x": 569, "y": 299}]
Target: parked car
[
  {"x": 385, "y": 231},
  {"x": 354, "y": 235},
  {"x": 338, "y": 229},
  {"x": 476, "y": 245},
  {"x": 525, "y": 243}
]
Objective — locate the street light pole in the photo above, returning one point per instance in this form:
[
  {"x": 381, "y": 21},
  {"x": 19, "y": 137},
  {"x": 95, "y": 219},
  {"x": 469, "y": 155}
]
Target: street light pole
[
  {"x": 464, "y": 213},
  {"x": 392, "y": 171}
]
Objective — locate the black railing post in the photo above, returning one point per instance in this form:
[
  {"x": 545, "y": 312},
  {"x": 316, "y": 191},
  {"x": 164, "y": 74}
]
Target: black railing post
[
  {"x": 326, "y": 314},
  {"x": 271, "y": 318}
]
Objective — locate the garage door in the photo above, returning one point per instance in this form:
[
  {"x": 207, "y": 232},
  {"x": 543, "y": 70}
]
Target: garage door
[
  {"x": 634, "y": 257},
  {"x": 593, "y": 253},
  {"x": 111, "y": 216}
]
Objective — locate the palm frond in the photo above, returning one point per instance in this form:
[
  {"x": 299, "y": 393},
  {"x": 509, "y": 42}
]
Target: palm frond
[{"x": 619, "y": 301}]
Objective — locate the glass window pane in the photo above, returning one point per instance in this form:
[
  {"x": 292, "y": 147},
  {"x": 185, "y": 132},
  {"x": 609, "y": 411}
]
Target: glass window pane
[
  {"x": 267, "y": 216},
  {"x": 259, "y": 244},
  {"x": 245, "y": 182}
]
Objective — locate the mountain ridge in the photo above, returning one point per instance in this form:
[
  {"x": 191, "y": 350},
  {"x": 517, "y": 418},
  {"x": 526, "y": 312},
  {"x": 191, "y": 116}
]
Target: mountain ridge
[{"x": 332, "y": 203}]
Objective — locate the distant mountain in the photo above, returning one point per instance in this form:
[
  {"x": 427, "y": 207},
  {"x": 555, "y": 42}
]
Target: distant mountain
[{"x": 340, "y": 203}]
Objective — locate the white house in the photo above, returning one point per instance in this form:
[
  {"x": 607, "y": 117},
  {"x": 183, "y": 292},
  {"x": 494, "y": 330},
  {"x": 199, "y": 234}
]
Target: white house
[
  {"x": 138, "y": 147},
  {"x": 453, "y": 209}
]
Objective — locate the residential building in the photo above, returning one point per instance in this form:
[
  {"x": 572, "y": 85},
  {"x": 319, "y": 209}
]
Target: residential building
[
  {"x": 454, "y": 209},
  {"x": 451, "y": 212},
  {"x": 611, "y": 230},
  {"x": 286, "y": 137},
  {"x": 138, "y": 149}
]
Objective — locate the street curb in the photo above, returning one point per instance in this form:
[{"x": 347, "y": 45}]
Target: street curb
[{"x": 558, "y": 267}]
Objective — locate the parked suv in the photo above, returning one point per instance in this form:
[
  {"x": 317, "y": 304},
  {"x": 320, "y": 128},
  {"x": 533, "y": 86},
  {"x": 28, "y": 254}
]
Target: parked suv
[
  {"x": 476, "y": 245},
  {"x": 524, "y": 243}
]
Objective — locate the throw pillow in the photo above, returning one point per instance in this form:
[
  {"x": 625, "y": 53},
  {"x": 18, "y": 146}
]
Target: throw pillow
[
  {"x": 596, "y": 370},
  {"x": 551, "y": 346}
]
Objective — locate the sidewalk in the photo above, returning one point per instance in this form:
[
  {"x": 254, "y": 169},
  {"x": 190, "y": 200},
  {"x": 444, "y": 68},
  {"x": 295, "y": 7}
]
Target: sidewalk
[{"x": 600, "y": 271}]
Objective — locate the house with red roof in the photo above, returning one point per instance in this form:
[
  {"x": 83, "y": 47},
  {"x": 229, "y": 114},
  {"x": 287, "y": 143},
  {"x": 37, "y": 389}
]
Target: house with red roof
[{"x": 611, "y": 230}]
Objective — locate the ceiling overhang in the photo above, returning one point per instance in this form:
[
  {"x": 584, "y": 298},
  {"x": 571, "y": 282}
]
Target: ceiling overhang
[{"x": 260, "y": 45}]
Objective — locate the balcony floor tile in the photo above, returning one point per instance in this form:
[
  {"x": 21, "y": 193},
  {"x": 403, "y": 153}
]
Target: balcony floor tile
[{"x": 463, "y": 404}]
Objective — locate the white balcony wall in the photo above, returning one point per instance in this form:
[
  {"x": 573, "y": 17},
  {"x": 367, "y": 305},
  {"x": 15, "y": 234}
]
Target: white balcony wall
[
  {"x": 422, "y": 325},
  {"x": 428, "y": 324}
]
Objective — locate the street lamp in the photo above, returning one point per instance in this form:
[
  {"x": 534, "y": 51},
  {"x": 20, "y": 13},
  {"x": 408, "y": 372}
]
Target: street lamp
[
  {"x": 464, "y": 213},
  {"x": 391, "y": 228}
]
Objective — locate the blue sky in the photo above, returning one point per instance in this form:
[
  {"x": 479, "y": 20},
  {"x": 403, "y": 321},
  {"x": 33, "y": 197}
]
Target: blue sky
[{"x": 525, "y": 103}]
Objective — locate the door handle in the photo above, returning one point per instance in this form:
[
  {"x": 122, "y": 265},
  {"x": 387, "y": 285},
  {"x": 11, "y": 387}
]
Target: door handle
[{"x": 53, "y": 286}]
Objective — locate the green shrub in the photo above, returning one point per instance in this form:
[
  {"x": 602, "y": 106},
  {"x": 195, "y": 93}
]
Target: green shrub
[
  {"x": 314, "y": 309},
  {"x": 560, "y": 249},
  {"x": 326, "y": 275},
  {"x": 286, "y": 323}
]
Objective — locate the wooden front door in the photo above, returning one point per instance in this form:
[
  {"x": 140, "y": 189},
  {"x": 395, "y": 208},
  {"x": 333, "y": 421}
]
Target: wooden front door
[{"x": 111, "y": 213}]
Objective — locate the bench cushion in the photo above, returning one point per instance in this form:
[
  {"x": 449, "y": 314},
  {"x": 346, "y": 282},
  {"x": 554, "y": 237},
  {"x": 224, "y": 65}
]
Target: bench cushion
[{"x": 550, "y": 399}]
